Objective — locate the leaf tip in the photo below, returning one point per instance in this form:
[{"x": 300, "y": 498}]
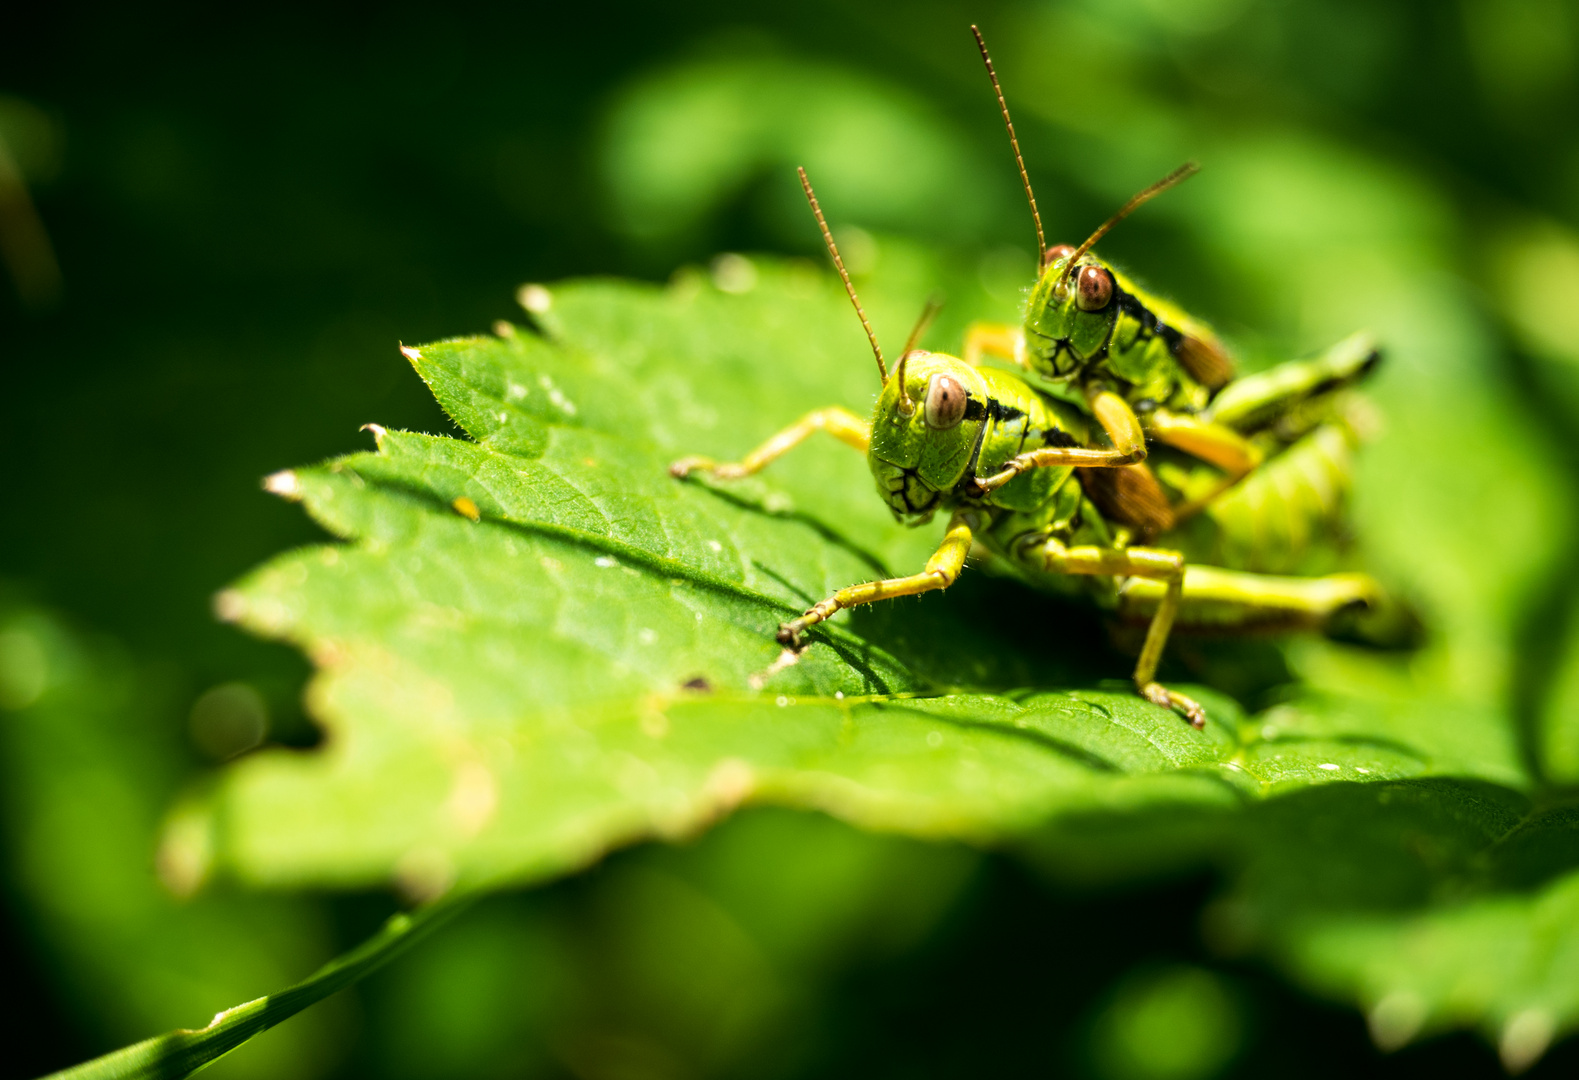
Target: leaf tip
[
  {"x": 1525, "y": 1038},
  {"x": 185, "y": 856},
  {"x": 534, "y": 298},
  {"x": 378, "y": 431},
  {"x": 730, "y": 782},
  {"x": 285, "y": 483},
  {"x": 1396, "y": 1019},
  {"x": 424, "y": 873},
  {"x": 230, "y": 606},
  {"x": 412, "y": 354}
]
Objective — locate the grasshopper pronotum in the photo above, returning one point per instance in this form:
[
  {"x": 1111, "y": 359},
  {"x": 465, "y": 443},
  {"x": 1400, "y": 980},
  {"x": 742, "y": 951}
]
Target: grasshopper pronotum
[{"x": 999, "y": 458}]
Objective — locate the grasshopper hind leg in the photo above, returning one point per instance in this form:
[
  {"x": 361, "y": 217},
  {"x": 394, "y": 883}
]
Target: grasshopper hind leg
[
  {"x": 1238, "y": 601},
  {"x": 1165, "y": 571}
]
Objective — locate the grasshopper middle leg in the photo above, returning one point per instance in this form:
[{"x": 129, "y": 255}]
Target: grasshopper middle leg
[{"x": 1166, "y": 568}]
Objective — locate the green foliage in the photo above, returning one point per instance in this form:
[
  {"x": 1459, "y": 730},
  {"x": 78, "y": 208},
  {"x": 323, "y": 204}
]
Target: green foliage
[{"x": 590, "y": 663}]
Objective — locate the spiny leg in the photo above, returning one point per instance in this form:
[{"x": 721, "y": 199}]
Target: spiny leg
[
  {"x": 1163, "y": 567},
  {"x": 1116, "y": 418},
  {"x": 1045, "y": 457},
  {"x": 841, "y": 423},
  {"x": 995, "y": 339},
  {"x": 1212, "y": 443},
  {"x": 941, "y": 571}
]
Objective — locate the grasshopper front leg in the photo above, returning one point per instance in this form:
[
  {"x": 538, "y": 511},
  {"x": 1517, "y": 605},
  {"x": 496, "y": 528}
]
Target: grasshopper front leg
[
  {"x": 841, "y": 423},
  {"x": 1053, "y": 457},
  {"x": 941, "y": 571},
  {"x": 1116, "y": 418},
  {"x": 1155, "y": 564}
]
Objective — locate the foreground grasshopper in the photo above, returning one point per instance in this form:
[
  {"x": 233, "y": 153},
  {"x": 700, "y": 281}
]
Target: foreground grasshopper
[
  {"x": 999, "y": 458},
  {"x": 1124, "y": 352}
]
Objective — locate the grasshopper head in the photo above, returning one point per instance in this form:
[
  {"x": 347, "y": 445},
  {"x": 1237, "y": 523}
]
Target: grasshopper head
[
  {"x": 1071, "y": 312},
  {"x": 924, "y": 429}
]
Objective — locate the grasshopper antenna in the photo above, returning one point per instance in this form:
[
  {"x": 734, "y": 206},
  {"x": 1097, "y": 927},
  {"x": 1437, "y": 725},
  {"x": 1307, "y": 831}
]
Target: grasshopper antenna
[
  {"x": 1025, "y": 177},
  {"x": 928, "y": 313},
  {"x": 1182, "y": 173},
  {"x": 833, "y": 249}
]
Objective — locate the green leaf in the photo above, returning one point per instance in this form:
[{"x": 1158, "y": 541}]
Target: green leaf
[
  {"x": 593, "y": 660},
  {"x": 535, "y": 645}
]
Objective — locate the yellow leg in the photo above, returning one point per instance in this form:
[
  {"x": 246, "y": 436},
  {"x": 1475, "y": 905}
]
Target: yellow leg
[
  {"x": 1055, "y": 457},
  {"x": 842, "y": 424},
  {"x": 942, "y": 569},
  {"x": 1240, "y": 601},
  {"x": 1119, "y": 421},
  {"x": 1116, "y": 418},
  {"x": 1214, "y": 444},
  {"x": 1164, "y": 567},
  {"x": 995, "y": 339}
]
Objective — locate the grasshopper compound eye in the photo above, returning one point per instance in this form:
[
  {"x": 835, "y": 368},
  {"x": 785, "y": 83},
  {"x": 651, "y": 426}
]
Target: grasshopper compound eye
[
  {"x": 1055, "y": 253},
  {"x": 1093, "y": 288},
  {"x": 945, "y": 403}
]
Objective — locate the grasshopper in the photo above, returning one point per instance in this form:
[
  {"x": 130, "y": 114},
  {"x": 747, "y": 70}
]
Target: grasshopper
[
  {"x": 1144, "y": 368},
  {"x": 1000, "y": 458}
]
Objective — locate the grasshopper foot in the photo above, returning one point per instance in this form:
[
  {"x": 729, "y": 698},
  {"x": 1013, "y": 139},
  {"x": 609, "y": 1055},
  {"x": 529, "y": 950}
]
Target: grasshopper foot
[
  {"x": 1188, "y": 708},
  {"x": 685, "y": 466},
  {"x": 724, "y": 471},
  {"x": 792, "y": 635}
]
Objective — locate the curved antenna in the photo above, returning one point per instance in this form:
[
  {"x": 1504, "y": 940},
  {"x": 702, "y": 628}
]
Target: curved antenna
[
  {"x": 928, "y": 313},
  {"x": 833, "y": 249},
  {"x": 1183, "y": 172},
  {"x": 1025, "y": 177}
]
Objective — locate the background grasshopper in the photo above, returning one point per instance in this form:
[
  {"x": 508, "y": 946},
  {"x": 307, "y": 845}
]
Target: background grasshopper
[
  {"x": 1145, "y": 368},
  {"x": 999, "y": 458}
]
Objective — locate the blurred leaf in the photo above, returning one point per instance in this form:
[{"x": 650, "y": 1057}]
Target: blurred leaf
[
  {"x": 685, "y": 139},
  {"x": 1507, "y": 964},
  {"x": 1174, "y": 1024},
  {"x": 89, "y": 770}
]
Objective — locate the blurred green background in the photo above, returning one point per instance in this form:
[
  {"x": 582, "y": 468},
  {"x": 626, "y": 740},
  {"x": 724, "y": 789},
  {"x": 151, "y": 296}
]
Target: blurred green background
[{"x": 216, "y": 225}]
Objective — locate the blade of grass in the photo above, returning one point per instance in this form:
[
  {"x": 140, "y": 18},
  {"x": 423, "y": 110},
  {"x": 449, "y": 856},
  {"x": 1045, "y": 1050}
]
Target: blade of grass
[{"x": 185, "y": 1051}]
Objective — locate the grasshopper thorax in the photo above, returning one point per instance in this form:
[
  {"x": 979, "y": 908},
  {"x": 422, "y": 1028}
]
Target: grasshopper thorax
[{"x": 925, "y": 429}]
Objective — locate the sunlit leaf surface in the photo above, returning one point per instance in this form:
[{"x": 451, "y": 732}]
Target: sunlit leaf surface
[
  {"x": 535, "y": 645},
  {"x": 592, "y": 659}
]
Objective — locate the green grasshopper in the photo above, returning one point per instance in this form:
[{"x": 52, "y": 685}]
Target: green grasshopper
[
  {"x": 1125, "y": 352},
  {"x": 1000, "y": 458}
]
